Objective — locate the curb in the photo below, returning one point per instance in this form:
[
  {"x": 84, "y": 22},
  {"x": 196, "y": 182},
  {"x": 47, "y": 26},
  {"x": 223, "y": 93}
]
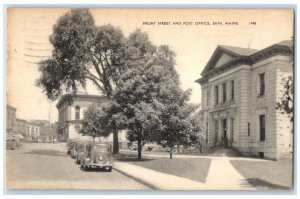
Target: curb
[{"x": 151, "y": 186}]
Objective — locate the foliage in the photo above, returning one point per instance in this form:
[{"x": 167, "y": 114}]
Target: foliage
[
  {"x": 194, "y": 131},
  {"x": 71, "y": 39},
  {"x": 138, "y": 78},
  {"x": 81, "y": 52},
  {"x": 286, "y": 103},
  {"x": 94, "y": 122}
]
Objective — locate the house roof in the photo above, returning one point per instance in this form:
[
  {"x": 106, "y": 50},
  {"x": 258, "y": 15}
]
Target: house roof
[
  {"x": 69, "y": 99},
  {"x": 234, "y": 52}
]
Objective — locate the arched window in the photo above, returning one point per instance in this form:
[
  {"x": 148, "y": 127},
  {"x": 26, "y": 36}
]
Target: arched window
[{"x": 77, "y": 113}]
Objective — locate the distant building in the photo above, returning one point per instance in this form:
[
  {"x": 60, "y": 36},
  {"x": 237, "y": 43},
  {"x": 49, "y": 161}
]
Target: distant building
[
  {"x": 11, "y": 119},
  {"x": 21, "y": 127},
  {"x": 33, "y": 130},
  {"x": 44, "y": 126},
  {"x": 70, "y": 114},
  {"x": 240, "y": 88}
]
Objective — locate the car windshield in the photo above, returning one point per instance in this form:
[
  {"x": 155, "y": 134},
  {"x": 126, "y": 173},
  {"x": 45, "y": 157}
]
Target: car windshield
[{"x": 100, "y": 148}]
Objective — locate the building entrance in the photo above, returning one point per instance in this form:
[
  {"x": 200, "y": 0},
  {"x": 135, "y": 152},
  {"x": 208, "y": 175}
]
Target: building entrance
[{"x": 224, "y": 139}]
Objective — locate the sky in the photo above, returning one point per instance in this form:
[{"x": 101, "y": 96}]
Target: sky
[{"x": 28, "y": 31}]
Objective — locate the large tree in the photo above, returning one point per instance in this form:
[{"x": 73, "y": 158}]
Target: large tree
[
  {"x": 148, "y": 68},
  {"x": 176, "y": 116},
  {"x": 81, "y": 52}
]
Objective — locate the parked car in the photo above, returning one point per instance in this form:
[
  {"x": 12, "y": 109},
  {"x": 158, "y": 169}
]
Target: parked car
[
  {"x": 81, "y": 150},
  {"x": 13, "y": 143},
  {"x": 70, "y": 145},
  {"x": 133, "y": 147},
  {"x": 47, "y": 140},
  {"x": 160, "y": 149},
  {"x": 75, "y": 150},
  {"x": 97, "y": 155}
]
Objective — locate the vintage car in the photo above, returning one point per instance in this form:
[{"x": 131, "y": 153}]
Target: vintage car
[
  {"x": 13, "y": 143},
  {"x": 97, "y": 155},
  {"x": 80, "y": 152},
  {"x": 71, "y": 145}
]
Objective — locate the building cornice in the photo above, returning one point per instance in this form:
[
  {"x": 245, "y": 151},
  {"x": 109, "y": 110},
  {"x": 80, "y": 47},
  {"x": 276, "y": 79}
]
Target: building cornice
[{"x": 259, "y": 56}]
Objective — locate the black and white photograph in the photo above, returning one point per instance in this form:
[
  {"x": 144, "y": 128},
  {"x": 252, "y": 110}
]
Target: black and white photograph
[{"x": 185, "y": 99}]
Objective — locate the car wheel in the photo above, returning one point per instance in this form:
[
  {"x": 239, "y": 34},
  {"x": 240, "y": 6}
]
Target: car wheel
[{"x": 109, "y": 169}]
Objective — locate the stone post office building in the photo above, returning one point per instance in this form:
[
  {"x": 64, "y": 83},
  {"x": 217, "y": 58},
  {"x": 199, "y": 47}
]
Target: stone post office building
[{"x": 240, "y": 88}]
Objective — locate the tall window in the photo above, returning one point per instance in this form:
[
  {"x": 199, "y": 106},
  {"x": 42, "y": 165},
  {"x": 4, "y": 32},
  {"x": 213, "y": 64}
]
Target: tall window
[
  {"x": 77, "y": 113},
  {"x": 224, "y": 92},
  {"x": 207, "y": 97},
  {"x": 262, "y": 127},
  {"x": 232, "y": 89},
  {"x": 248, "y": 129},
  {"x": 262, "y": 84},
  {"x": 216, "y": 94}
]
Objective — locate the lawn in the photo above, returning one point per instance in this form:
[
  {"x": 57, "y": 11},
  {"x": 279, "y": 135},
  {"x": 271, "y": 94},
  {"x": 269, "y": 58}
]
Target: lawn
[
  {"x": 266, "y": 174},
  {"x": 191, "y": 168}
]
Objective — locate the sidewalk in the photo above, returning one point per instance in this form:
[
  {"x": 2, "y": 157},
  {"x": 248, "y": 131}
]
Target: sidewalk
[
  {"x": 157, "y": 180},
  {"x": 221, "y": 176}
]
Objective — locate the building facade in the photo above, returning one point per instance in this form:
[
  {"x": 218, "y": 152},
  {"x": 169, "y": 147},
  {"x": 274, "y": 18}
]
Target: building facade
[
  {"x": 240, "y": 88},
  {"x": 21, "y": 127},
  {"x": 70, "y": 114},
  {"x": 33, "y": 130},
  {"x": 11, "y": 119}
]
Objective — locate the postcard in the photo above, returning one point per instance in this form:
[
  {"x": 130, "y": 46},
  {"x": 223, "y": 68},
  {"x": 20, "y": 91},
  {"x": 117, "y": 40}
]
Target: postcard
[{"x": 149, "y": 99}]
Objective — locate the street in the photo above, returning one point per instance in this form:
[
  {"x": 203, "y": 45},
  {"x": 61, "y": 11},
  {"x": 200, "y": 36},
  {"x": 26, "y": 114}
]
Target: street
[{"x": 47, "y": 166}]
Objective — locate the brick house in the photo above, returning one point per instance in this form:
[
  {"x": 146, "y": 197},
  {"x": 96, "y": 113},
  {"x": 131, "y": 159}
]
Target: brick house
[{"x": 240, "y": 88}]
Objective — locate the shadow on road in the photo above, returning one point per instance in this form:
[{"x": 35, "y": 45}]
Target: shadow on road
[
  {"x": 47, "y": 152},
  {"x": 256, "y": 182},
  {"x": 95, "y": 170},
  {"x": 133, "y": 159}
]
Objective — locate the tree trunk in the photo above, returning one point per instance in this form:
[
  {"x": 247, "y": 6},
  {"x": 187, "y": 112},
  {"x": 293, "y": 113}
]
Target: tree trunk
[
  {"x": 116, "y": 141},
  {"x": 139, "y": 146},
  {"x": 171, "y": 153},
  {"x": 178, "y": 149}
]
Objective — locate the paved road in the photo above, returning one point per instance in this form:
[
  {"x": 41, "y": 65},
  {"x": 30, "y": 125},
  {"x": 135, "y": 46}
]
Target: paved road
[{"x": 47, "y": 166}]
